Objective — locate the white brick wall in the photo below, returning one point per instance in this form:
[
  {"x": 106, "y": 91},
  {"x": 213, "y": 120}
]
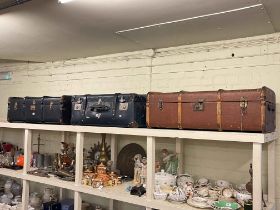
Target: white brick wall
[{"x": 207, "y": 66}]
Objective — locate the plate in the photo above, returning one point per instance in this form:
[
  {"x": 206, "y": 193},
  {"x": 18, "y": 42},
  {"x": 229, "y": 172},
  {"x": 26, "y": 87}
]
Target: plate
[
  {"x": 125, "y": 162},
  {"x": 224, "y": 204},
  {"x": 197, "y": 205}
]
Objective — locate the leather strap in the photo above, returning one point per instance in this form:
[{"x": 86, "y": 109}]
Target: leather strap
[
  {"x": 180, "y": 110},
  {"x": 219, "y": 111},
  {"x": 263, "y": 109}
]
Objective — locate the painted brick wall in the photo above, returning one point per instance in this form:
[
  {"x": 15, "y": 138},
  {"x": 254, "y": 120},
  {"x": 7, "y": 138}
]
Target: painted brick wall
[{"x": 242, "y": 63}]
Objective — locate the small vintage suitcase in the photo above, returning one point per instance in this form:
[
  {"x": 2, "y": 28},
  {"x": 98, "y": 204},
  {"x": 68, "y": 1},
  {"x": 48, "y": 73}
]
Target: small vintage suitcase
[
  {"x": 33, "y": 109},
  {"x": 78, "y": 109},
  {"x": 57, "y": 110},
  {"x": 121, "y": 110},
  {"x": 16, "y": 111},
  {"x": 251, "y": 110}
]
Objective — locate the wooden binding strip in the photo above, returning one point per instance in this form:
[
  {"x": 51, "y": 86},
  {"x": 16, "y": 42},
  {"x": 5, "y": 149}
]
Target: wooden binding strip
[
  {"x": 263, "y": 103},
  {"x": 148, "y": 110},
  {"x": 219, "y": 111},
  {"x": 180, "y": 110}
]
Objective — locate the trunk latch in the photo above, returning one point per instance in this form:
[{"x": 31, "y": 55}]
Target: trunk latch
[
  {"x": 160, "y": 105},
  {"x": 198, "y": 106},
  {"x": 243, "y": 103}
]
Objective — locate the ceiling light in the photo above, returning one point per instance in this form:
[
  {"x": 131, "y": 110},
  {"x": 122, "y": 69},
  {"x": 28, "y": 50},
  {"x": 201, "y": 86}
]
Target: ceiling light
[
  {"x": 64, "y": 1},
  {"x": 190, "y": 18}
]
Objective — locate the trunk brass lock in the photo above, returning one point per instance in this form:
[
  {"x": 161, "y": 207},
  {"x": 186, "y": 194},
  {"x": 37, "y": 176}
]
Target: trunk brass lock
[
  {"x": 198, "y": 106},
  {"x": 160, "y": 105},
  {"x": 32, "y": 107},
  {"x": 243, "y": 103},
  {"x": 51, "y": 105}
]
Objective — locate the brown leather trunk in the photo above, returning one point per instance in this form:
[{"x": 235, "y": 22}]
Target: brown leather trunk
[{"x": 251, "y": 110}]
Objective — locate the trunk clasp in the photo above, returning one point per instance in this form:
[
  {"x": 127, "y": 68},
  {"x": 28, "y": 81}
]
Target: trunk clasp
[{"x": 198, "y": 106}]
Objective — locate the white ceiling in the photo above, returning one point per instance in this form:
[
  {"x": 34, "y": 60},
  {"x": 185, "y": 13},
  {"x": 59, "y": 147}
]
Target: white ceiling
[{"x": 43, "y": 30}]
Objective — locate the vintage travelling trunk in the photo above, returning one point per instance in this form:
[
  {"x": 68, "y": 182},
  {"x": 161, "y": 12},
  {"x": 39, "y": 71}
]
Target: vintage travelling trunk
[
  {"x": 33, "y": 109},
  {"x": 78, "y": 109},
  {"x": 121, "y": 110},
  {"x": 251, "y": 110},
  {"x": 16, "y": 111},
  {"x": 57, "y": 110}
]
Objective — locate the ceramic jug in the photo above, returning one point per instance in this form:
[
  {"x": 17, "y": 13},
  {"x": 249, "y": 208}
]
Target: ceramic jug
[
  {"x": 36, "y": 201},
  {"x": 8, "y": 186},
  {"x": 49, "y": 195}
]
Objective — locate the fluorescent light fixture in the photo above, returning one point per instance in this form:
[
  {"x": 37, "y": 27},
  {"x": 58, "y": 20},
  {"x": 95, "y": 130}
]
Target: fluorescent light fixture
[
  {"x": 64, "y": 1},
  {"x": 190, "y": 18}
]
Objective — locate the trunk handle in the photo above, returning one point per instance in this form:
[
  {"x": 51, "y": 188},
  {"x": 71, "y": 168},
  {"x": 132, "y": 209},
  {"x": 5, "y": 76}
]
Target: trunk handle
[
  {"x": 271, "y": 107},
  {"x": 99, "y": 108}
]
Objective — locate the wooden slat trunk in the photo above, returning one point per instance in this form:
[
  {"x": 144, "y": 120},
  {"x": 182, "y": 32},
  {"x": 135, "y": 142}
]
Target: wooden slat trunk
[{"x": 251, "y": 110}]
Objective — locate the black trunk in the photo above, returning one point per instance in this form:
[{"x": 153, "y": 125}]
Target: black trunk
[
  {"x": 122, "y": 110},
  {"x": 57, "y": 110}
]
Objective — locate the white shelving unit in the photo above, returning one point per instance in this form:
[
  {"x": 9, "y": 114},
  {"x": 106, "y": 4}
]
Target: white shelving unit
[{"x": 118, "y": 193}]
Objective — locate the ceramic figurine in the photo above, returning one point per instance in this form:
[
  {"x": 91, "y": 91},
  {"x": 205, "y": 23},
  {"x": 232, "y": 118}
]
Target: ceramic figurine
[
  {"x": 143, "y": 175},
  {"x": 188, "y": 189},
  {"x": 137, "y": 168},
  {"x": 177, "y": 195},
  {"x": 170, "y": 162},
  {"x": 102, "y": 178},
  {"x": 157, "y": 166},
  {"x": 67, "y": 158}
]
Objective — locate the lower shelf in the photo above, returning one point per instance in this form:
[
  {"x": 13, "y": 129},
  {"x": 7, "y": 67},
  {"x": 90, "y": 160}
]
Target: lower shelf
[{"x": 116, "y": 193}]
